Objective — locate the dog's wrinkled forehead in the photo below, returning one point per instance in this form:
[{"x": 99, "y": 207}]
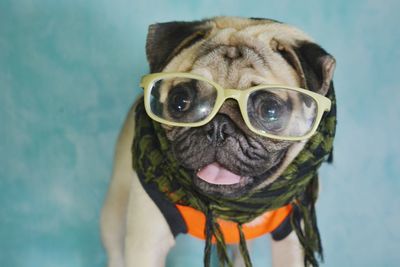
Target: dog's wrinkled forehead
[
  {"x": 238, "y": 52},
  {"x": 242, "y": 57}
]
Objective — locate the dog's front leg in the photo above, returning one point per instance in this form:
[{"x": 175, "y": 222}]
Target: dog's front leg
[
  {"x": 148, "y": 237},
  {"x": 287, "y": 252}
]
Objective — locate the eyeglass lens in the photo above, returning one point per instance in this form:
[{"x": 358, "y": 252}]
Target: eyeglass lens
[
  {"x": 182, "y": 100},
  {"x": 281, "y": 111}
]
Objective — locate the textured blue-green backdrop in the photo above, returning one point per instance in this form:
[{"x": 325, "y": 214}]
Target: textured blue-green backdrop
[{"x": 69, "y": 71}]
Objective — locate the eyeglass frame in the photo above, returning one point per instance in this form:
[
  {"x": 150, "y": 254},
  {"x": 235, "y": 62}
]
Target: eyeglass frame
[{"x": 240, "y": 95}]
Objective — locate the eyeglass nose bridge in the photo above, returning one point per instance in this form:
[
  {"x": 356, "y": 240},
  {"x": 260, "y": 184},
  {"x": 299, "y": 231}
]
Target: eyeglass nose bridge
[
  {"x": 232, "y": 93},
  {"x": 235, "y": 94}
]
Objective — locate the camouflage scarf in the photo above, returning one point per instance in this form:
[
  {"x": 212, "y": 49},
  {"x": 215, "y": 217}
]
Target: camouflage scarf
[{"x": 298, "y": 185}]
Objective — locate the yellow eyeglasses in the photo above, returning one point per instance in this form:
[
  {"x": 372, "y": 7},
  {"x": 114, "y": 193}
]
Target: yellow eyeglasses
[{"x": 274, "y": 111}]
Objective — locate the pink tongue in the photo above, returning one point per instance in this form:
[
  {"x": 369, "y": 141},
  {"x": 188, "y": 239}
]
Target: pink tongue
[{"x": 216, "y": 174}]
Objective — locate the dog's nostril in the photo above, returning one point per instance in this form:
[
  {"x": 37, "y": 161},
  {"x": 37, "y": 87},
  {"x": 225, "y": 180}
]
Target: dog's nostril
[
  {"x": 218, "y": 129},
  {"x": 222, "y": 131},
  {"x": 210, "y": 133}
]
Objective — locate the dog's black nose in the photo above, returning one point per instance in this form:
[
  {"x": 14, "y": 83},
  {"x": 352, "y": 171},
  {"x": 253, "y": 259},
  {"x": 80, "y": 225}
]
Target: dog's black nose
[{"x": 219, "y": 128}]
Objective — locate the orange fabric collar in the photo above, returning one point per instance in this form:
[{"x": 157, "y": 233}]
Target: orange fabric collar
[{"x": 196, "y": 220}]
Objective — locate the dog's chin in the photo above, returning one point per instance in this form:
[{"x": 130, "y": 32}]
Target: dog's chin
[{"x": 215, "y": 180}]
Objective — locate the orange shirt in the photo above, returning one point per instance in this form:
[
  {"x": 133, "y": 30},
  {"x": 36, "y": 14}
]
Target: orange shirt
[{"x": 196, "y": 220}]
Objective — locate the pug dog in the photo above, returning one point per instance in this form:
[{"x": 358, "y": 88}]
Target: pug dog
[{"x": 232, "y": 52}]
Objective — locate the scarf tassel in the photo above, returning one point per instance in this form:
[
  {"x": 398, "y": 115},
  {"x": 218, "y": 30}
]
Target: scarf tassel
[
  {"x": 214, "y": 229},
  {"x": 208, "y": 234},
  {"x": 307, "y": 231},
  {"x": 243, "y": 247}
]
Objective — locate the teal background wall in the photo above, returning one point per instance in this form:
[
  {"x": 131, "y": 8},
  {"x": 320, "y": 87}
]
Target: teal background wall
[{"x": 69, "y": 71}]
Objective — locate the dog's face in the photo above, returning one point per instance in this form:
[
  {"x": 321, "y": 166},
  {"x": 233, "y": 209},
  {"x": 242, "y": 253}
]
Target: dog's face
[{"x": 224, "y": 156}]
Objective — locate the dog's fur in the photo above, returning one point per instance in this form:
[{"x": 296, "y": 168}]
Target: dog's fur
[{"x": 235, "y": 53}]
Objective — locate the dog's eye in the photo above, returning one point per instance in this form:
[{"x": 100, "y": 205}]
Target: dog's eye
[
  {"x": 180, "y": 98},
  {"x": 271, "y": 111}
]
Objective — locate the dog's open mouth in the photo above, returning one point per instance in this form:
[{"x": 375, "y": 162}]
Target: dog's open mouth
[
  {"x": 215, "y": 179},
  {"x": 214, "y": 173}
]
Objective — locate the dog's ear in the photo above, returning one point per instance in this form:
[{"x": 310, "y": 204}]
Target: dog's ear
[
  {"x": 165, "y": 40},
  {"x": 313, "y": 64}
]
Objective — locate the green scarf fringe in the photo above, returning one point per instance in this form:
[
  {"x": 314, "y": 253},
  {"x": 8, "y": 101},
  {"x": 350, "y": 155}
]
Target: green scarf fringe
[{"x": 155, "y": 163}]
